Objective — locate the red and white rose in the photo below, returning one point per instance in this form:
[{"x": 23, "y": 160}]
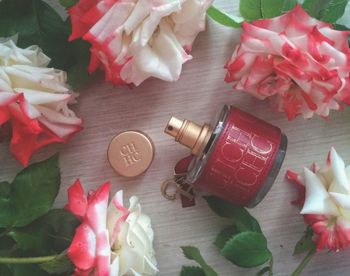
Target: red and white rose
[
  {"x": 137, "y": 39},
  {"x": 111, "y": 240},
  {"x": 33, "y": 100},
  {"x": 325, "y": 197},
  {"x": 300, "y": 64}
]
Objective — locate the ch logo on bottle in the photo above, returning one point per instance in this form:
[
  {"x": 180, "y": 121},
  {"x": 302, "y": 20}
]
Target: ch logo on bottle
[{"x": 130, "y": 154}]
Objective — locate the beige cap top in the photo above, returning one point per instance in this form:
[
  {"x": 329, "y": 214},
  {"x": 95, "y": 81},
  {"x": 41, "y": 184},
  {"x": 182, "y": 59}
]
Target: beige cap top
[{"x": 130, "y": 153}]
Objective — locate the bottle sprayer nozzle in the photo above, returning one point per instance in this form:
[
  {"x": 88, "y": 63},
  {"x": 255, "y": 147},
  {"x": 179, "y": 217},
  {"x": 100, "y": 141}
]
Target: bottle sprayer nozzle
[{"x": 189, "y": 134}]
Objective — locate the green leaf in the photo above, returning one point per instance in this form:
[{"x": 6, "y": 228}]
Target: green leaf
[
  {"x": 251, "y": 9},
  {"x": 305, "y": 243},
  {"x": 7, "y": 212},
  {"x": 63, "y": 225},
  {"x": 222, "y": 18},
  {"x": 53, "y": 232},
  {"x": 193, "y": 253},
  {"x": 225, "y": 235},
  {"x": 68, "y": 3},
  {"x": 5, "y": 189},
  {"x": 271, "y": 8},
  {"x": 288, "y": 5},
  {"x": 248, "y": 249},
  {"x": 7, "y": 246},
  {"x": 34, "y": 239},
  {"x": 240, "y": 216},
  {"x": 60, "y": 264},
  {"x": 192, "y": 271},
  {"x": 5, "y": 271},
  {"x": 32, "y": 194},
  {"x": 77, "y": 69},
  {"x": 342, "y": 28},
  {"x": 37, "y": 23},
  {"x": 258, "y": 9},
  {"x": 325, "y": 10},
  {"x": 263, "y": 271},
  {"x": 27, "y": 270}
]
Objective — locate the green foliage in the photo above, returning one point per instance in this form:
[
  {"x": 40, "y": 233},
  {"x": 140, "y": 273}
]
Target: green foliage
[
  {"x": 192, "y": 271},
  {"x": 32, "y": 194},
  {"x": 225, "y": 235},
  {"x": 288, "y": 5},
  {"x": 243, "y": 242},
  {"x": 192, "y": 253},
  {"x": 5, "y": 271},
  {"x": 240, "y": 216},
  {"x": 5, "y": 188},
  {"x": 26, "y": 270},
  {"x": 305, "y": 243},
  {"x": 251, "y": 9},
  {"x": 61, "y": 264},
  {"x": 273, "y": 8},
  {"x": 79, "y": 52},
  {"x": 68, "y": 3},
  {"x": 325, "y": 10},
  {"x": 342, "y": 28},
  {"x": 30, "y": 228},
  {"x": 62, "y": 228},
  {"x": 222, "y": 18},
  {"x": 37, "y": 23},
  {"x": 7, "y": 245},
  {"x": 247, "y": 249},
  {"x": 258, "y": 9}
]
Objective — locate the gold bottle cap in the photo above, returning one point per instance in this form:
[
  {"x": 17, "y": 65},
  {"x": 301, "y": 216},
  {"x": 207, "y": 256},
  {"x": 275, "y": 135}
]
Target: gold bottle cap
[
  {"x": 189, "y": 134},
  {"x": 130, "y": 153}
]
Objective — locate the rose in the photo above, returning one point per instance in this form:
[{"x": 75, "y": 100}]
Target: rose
[
  {"x": 33, "y": 100},
  {"x": 325, "y": 196},
  {"x": 137, "y": 39},
  {"x": 299, "y": 63},
  {"x": 111, "y": 240}
]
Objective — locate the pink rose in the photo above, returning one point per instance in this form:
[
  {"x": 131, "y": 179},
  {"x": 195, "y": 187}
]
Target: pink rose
[
  {"x": 111, "y": 240},
  {"x": 301, "y": 64},
  {"x": 324, "y": 194}
]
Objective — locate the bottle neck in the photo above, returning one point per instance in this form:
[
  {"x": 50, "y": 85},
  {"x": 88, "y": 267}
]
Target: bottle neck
[{"x": 189, "y": 134}]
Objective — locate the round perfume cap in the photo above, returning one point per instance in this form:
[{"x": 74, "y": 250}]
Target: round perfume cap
[{"x": 130, "y": 153}]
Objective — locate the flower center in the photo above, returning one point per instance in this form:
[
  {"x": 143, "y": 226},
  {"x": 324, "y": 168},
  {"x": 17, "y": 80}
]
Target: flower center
[{"x": 332, "y": 220}]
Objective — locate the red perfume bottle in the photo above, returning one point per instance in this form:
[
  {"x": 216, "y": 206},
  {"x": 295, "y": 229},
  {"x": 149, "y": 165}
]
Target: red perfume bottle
[{"x": 237, "y": 159}]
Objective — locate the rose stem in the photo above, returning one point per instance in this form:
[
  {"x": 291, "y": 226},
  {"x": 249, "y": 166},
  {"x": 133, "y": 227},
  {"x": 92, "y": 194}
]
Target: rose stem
[
  {"x": 305, "y": 261},
  {"x": 271, "y": 266},
  {"x": 27, "y": 260}
]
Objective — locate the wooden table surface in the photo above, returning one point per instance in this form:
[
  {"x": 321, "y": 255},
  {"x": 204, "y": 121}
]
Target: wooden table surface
[{"x": 198, "y": 95}]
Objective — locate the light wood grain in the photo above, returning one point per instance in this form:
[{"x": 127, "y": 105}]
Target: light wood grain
[{"x": 198, "y": 95}]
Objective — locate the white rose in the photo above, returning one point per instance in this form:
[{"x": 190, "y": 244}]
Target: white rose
[
  {"x": 326, "y": 207},
  {"x": 137, "y": 39},
  {"x": 132, "y": 245},
  {"x": 119, "y": 240},
  {"x": 34, "y": 99}
]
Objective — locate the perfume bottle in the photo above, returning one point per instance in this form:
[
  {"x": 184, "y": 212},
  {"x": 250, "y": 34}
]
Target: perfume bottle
[{"x": 237, "y": 158}]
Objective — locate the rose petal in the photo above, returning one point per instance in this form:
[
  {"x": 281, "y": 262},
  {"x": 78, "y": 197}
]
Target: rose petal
[
  {"x": 82, "y": 250},
  {"x": 317, "y": 199},
  {"x": 77, "y": 201},
  {"x": 341, "y": 183},
  {"x": 96, "y": 214}
]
